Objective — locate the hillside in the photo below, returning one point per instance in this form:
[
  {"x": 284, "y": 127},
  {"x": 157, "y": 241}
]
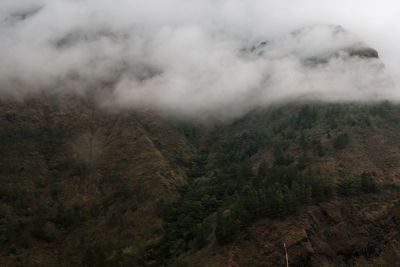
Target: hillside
[
  {"x": 73, "y": 175},
  {"x": 199, "y": 133},
  {"x": 83, "y": 185}
]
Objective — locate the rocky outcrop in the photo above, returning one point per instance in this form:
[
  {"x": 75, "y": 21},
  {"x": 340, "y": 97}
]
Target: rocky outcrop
[{"x": 364, "y": 52}]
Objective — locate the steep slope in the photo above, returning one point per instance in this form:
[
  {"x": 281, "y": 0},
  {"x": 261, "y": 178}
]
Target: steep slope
[
  {"x": 337, "y": 140},
  {"x": 343, "y": 232},
  {"x": 73, "y": 175},
  {"x": 83, "y": 185}
]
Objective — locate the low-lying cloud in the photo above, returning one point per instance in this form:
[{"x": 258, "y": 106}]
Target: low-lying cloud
[{"x": 201, "y": 57}]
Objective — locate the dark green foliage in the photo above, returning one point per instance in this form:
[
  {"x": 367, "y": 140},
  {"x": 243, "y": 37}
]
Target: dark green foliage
[
  {"x": 48, "y": 140},
  {"x": 383, "y": 110},
  {"x": 368, "y": 183},
  {"x": 289, "y": 186},
  {"x": 197, "y": 167},
  {"x": 12, "y": 194},
  {"x": 367, "y": 121},
  {"x": 303, "y": 162},
  {"x": 11, "y": 138},
  {"x": 95, "y": 256},
  {"x": 140, "y": 191},
  {"x": 101, "y": 253},
  {"x": 26, "y": 237},
  {"x": 250, "y": 201},
  {"x": 222, "y": 187},
  {"x": 69, "y": 217},
  {"x": 222, "y": 179},
  {"x": 164, "y": 210},
  {"x": 242, "y": 146},
  {"x": 6, "y": 222},
  {"x": 72, "y": 166},
  {"x": 241, "y": 198},
  {"x": 323, "y": 188},
  {"x": 307, "y": 117},
  {"x": 318, "y": 148},
  {"x": 282, "y": 158},
  {"x": 353, "y": 185},
  {"x": 38, "y": 228},
  {"x": 202, "y": 231},
  {"x": 123, "y": 193},
  {"x": 341, "y": 141},
  {"x": 226, "y": 227},
  {"x": 349, "y": 185}
]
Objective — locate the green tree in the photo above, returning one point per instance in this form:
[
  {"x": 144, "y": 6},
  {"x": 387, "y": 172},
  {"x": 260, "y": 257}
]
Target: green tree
[
  {"x": 368, "y": 183},
  {"x": 226, "y": 227},
  {"x": 95, "y": 256},
  {"x": 201, "y": 235},
  {"x": 341, "y": 141},
  {"x": 349, "y": 185}
]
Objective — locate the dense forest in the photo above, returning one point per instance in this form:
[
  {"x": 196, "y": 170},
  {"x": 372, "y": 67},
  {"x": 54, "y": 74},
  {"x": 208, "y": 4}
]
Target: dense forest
[{"x": 217, "y": 180}]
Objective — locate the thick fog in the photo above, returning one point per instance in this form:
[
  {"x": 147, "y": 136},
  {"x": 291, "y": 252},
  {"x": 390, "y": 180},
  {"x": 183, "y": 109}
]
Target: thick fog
[{"x": 201, "y": 57}]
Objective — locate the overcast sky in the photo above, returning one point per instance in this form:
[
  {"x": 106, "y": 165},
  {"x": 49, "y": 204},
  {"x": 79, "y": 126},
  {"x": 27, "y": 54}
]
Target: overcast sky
[{"x": 196, "y": 56}]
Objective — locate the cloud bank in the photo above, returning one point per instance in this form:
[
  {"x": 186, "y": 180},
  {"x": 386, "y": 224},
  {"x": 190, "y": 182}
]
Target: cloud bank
[{"x": 201, "y": 57}]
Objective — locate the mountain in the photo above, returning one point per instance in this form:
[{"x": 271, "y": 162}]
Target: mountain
[
  {"x": 286, "y": 152},
  {"x": 84, "y": 185}
]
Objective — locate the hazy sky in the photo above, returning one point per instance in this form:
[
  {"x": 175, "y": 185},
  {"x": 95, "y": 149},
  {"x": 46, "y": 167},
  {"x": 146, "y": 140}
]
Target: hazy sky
[{"x": 195, "y": 56}]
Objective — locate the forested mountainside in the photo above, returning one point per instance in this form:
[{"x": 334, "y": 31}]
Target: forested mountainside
[{"x": 81, "y": 185}]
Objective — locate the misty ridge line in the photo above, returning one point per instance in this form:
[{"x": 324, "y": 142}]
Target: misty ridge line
[{"x": 218, "y": 59}]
